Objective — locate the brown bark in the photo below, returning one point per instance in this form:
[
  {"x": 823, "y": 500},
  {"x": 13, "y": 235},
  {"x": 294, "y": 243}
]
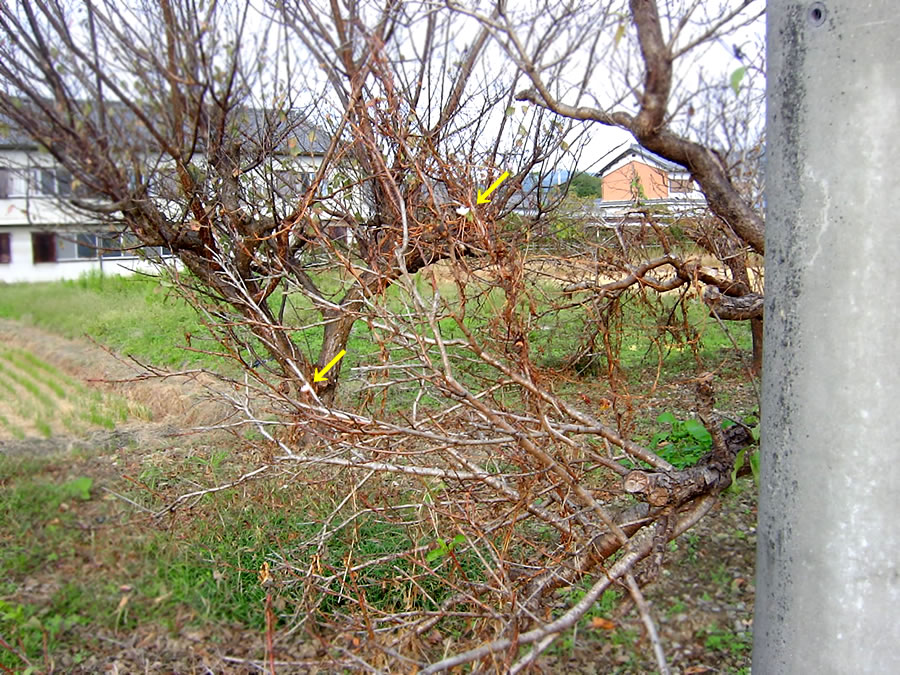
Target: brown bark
[
  {"x": 712, "y": 474},
  {"x": 740, "y": 308},
  {"x": 648, "y": 126}
]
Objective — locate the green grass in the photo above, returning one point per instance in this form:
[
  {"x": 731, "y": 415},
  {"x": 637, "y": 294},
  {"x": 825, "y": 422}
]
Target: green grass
[
  {"x": 39, "y": 390},
  {"x": 36, "y": 370},
  {"x": 42, "y": 370},
  {"x": 134, "y": 315},
  {"x": 724, "y": 640},
  {"x": 209, "y": 566},
  {"x": 12, "y": 428},
  {"x": 32, "y": 630},
  {"x": 207, "y": 561},
  {"x": 142, "y": 317},
  {"x": 28, "y": 385},
  {"x": 32, "y": 520}
]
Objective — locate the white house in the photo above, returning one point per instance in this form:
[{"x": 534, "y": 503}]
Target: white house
[{"x": 41, "y": 240}]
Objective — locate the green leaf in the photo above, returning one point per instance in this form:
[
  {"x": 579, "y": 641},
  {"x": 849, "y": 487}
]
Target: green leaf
[
  {"x": 457, "y": 540},
  {"x": 510, "y": 111},
  {"x": 738, "y": 463},
  {"x": 754, "y": 466},
  {"x": 736, "y": 78},
  {"x": 437, "y": 553},
  {"x": 79, "y": 488},
  {"x": 666, "y": 418},
  {"x": 698, "y": 431},
  {"x": 620, "y": 33}
]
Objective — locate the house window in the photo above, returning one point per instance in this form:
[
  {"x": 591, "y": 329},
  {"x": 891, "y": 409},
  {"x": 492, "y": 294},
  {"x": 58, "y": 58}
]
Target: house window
[
  {"x": 43, "y": 247},
  {"x": 5, "y": 248},
  {"x": 48, "y": 181},
  {"x": 55, "y": 182},
  {"x": 681, "y": 185},
  {"x": 290, "y": 184},
  {"x": 131, "y": 245},
  {"x": 14, "y": 182},
  {"x": 87, "y": 245},
  {"x": 63, "y": 183},
  {"x": 66, "y": 248},
  {"x": 76, "y": 246},
  {"x": 110, "y": 245},
  {"x": 83, "y": 191}
]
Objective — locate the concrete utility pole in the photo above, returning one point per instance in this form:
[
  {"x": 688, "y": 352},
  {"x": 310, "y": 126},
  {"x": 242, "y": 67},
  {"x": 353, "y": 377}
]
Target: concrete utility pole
[{"x": 828, "y": 585}]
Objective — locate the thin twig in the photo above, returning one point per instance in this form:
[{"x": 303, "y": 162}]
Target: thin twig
[{"x": 644, "y": 609}]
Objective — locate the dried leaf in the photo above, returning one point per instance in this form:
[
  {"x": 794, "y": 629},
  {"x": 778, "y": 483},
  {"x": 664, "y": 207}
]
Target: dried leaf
[
  {"x": 265, "y": 578},
  {"x": 162, "y": 598},
  {"x": 602, "y": 624}
]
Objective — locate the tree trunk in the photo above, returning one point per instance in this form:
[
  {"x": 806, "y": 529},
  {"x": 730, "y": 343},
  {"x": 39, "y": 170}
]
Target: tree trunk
[{"x": 337, "y": 333}]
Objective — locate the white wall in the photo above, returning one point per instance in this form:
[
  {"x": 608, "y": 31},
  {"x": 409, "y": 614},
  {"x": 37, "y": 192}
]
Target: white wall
[
  {"x": 23, "y": 268},
  {"x": 26, "y": 210}
]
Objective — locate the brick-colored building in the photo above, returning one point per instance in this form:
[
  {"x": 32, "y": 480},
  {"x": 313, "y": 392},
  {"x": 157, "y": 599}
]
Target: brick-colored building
[{"x": 637, "y": 174}]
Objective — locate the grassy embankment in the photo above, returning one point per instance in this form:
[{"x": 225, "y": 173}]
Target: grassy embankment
[{"x": 141, "y": 317}]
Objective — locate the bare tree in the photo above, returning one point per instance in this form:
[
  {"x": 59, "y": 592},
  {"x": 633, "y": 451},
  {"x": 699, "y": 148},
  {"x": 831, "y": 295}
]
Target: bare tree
[
  {"x": 643, "y": 68},
  {"x": 503, "y": 490},
  {"x": 194, "y": 136}
]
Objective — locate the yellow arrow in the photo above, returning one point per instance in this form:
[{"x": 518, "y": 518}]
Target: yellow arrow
[
  {"x": 320, "y": 376},
  {"x": 483, "y": 196}
]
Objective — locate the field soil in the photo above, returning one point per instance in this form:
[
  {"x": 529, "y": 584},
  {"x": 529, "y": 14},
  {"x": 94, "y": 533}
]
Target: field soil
[
  {"x": 703, "y": 599},
  {"x": 178, "y": 402}
]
